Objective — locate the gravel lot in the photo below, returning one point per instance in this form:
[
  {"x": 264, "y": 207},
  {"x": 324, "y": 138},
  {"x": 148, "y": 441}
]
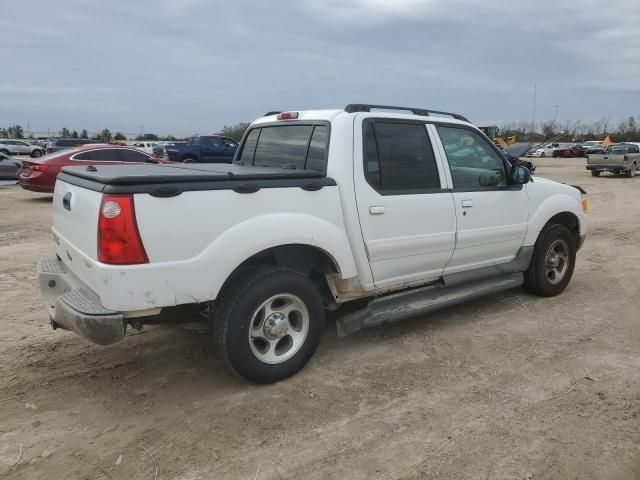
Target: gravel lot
[{"x": 508, "y": 387}]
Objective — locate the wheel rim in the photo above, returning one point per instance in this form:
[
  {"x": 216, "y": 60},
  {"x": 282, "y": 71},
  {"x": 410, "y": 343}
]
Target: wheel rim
[
  {"x": 632, "y": 171},
  {"x": 557, "y": 262},
  {"x": 278, "y": 328},
  {"x": 37, "y": 153}
]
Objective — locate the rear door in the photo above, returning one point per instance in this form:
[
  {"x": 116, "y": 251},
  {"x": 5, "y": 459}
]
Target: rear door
[
  {"x": 229, "y": 148},
  {"x": 211, "y": 149},
  {"x": 407, "y": 216},
  {"x": 491, "y": 215}
]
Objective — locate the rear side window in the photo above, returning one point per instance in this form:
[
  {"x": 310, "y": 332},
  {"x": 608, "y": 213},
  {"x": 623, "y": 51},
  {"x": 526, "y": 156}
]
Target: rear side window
[
  {"x": 398, "y": 158},
  {"x": 103, "y": 155},
  {"x": 126, "y": 155},
  {"x": 292, "y": 146}
]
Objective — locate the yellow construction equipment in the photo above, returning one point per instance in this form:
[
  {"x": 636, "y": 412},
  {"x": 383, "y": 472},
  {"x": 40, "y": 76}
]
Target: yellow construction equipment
[{"x": 493, "y": 133}]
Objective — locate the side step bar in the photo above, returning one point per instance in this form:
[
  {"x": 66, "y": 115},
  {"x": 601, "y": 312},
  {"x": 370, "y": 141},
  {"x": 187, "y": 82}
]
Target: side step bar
[{"x": 407, "y": 304}]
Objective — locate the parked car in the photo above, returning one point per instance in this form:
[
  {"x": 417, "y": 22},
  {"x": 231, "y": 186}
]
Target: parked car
[
  {"x": 617, "y": 158},
  {"x": 569, "y": 151},
  {"x": 40, "y": 175},
  {"x": 20, "y": 147},
  {"x": 411, "y": 211},
  {"x": 592, "y": 144},
  {"x": 545, "y": 151},
  {"x": 57, "y": 144},
  {"x": 146, "y": 147},
  {"x": 9, "y": 167},
  {"x": 204, "y": 149}
]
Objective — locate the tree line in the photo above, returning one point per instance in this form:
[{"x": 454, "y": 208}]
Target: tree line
[{"x": 625, "y": 130}]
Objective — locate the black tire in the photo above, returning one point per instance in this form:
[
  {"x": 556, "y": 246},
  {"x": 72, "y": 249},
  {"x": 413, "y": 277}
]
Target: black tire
[
  {"x": 242, "y": 297},
  {"x": 595, "y": 173},
  {"x": 6, "y": 152},
  {"x": 632, "y": 171},
  {"x": 188, "y": 160},
  {"x": 36, "y": 153},
  {"x": 535, "y": 278}
]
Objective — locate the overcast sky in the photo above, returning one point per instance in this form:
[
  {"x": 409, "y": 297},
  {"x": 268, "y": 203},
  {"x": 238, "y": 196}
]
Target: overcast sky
[{"x": 187, "y": 66}]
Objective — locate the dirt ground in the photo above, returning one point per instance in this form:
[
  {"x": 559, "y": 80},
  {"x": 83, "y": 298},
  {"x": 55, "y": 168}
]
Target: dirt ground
[{"x": 508, "y": 387}]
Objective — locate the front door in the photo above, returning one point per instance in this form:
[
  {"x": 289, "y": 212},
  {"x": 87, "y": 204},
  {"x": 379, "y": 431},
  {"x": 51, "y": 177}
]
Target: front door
[
  {"x": 491, "y": 215},
  {"x": 407, "y": 216}
]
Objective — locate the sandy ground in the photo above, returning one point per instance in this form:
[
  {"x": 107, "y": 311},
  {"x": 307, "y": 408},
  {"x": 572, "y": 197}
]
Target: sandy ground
[{"x": 508, "y": 387}]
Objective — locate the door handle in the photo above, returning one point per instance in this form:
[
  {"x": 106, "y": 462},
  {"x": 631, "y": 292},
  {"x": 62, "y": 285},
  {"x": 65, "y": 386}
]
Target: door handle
[
  {"x": 376, "y": 210},
  {"x": 467, "y": 203}
]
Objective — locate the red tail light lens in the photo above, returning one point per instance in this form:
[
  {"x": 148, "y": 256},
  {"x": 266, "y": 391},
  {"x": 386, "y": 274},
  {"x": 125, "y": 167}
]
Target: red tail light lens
[
  {"x": 39, "y": 168},
  {"x": 119, "y": 241},
  {"x": 287, "y": 116},
  {"x": 626, "y": 158}
]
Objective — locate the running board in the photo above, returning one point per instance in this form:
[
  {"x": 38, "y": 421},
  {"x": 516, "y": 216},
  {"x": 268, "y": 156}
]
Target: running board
[{"x": 399, "y": 306}]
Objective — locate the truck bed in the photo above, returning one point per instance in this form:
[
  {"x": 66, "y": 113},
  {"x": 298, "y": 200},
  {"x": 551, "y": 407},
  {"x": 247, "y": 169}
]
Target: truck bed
[{"x": 169, "y": 180}]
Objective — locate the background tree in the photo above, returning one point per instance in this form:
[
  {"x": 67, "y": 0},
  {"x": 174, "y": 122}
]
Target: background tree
[
  {"x": 4, "y": 133},
  {"x": 74, "y": 134},
  {"x": 119, "y": 136},
  {"x": 15, "y": 131},
  {"x": 84, "y": 134},
  {"x": 149, "y": 137},
  {"x": 235, "y": 131},
  {"x": 65, "y": 133},
  {"x": 105, "y": 135}
]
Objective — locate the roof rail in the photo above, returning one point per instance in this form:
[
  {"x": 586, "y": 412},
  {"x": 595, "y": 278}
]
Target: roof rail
[
  {"x": 274, "y": 112},
  {"x": 363, "y": 107}
]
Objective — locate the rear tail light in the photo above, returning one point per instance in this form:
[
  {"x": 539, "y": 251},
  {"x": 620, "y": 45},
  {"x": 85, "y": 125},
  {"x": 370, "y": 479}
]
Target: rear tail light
[
  {"x": 626, "y": 158},
  {"x": 119, "y": 241},
  {"x": 38, "y": 168}
]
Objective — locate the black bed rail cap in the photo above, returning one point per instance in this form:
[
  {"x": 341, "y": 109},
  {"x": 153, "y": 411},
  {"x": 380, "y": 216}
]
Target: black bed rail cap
[
  {"x": 273, "y": 112},
  {"x": 364, "y": 107}
]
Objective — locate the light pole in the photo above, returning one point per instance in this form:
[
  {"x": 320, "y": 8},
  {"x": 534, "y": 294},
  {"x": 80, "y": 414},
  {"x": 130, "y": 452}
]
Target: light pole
[{"x": 555, "y": 119}]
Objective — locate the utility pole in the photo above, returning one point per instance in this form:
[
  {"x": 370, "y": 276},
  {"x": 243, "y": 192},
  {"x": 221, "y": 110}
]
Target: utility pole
[
  {"x": 533, "y": 118},
  {"x": 555, "y": 119}
]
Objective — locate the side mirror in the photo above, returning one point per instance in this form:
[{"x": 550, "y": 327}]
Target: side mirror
[{"x": 519, "y": 175}]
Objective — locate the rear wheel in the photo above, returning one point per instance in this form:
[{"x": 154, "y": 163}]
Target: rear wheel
[
  {"x": 36, "y": 153},
  {"x": 632, "y": 171},
  {"x": 268, "y": 323},
  {"x": 553, "y": 261},
  {"x": 189, "y": 160},
  {"x": 595, "y": 173}
]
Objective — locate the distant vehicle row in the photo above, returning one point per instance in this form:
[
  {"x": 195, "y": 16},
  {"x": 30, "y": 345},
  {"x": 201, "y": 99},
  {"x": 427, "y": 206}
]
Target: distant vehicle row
[{"x": 620, "y": 158}]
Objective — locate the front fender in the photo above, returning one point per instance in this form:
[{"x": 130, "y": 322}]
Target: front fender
[{"x": 549, "y": 207}]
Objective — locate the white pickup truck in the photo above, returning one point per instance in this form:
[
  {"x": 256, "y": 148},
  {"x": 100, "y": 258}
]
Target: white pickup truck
[{"x": 409, "y": 210}]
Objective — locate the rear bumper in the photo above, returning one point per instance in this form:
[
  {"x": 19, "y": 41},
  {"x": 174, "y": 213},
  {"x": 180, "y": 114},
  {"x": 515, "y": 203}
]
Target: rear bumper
[
  {"x": 609, "y": 168},
  {"x": 72, "y": 306}
]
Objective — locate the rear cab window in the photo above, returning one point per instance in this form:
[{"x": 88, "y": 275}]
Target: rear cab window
[
  {"x": 399, "y": 158},
  {"x": 290, "y": 146}
]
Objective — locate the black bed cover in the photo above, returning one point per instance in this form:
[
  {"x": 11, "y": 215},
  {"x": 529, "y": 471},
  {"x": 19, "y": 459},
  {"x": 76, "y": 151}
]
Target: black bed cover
[{"x": 166, "y": 180}]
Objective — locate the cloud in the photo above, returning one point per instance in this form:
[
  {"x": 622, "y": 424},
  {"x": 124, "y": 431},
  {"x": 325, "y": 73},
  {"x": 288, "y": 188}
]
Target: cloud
[{"x": 179, "y": 66}]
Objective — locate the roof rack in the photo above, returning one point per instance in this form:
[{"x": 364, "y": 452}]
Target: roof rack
[
  {"x": 363, "y": 107},
  {"x": 274, "y": 112}
]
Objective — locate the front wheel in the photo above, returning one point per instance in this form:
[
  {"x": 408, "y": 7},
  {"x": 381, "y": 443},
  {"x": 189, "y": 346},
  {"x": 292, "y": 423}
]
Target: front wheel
[
  {"x": 36, "y": 153},
  {"x": 268, "y": 323},
  {"x": 552, "y": 263}
]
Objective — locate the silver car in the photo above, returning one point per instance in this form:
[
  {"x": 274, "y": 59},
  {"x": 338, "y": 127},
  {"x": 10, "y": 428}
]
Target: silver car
[
  {"x": 9, "y": 167},
  {"x": 20, "y": 147}
]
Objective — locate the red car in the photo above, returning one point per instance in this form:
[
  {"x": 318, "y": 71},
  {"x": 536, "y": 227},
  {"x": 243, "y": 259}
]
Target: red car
[
  {"x": 570, "y": 151},
  {"x": 40, "y": 175}
]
